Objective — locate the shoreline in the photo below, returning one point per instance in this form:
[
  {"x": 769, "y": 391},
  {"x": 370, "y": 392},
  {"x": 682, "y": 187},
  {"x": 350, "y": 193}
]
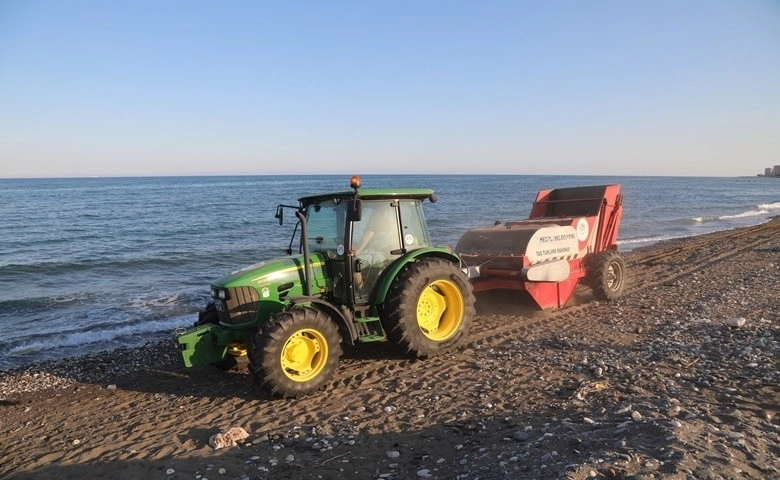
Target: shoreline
[
  {"x": 54, "y": 364},
  {"x": 680, "y": 378},
  {"x": 72, "y": 306}
]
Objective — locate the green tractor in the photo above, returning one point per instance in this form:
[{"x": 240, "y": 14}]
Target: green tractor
[{"x": 364, "y": 271}]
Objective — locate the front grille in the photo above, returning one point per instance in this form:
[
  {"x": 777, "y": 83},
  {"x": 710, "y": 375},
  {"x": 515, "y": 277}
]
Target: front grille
[{"x": 241, "y": 307}]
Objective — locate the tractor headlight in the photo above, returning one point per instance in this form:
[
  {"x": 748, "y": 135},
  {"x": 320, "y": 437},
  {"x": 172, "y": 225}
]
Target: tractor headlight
[{"x": 219, "y": 293}]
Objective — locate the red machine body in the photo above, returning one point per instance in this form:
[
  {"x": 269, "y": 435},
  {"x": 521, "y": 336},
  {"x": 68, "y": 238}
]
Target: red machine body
[{"x": 549, "y": 253}]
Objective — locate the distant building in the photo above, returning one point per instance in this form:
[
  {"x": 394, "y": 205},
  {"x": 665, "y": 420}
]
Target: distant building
[{"x": 771, "y": 172}]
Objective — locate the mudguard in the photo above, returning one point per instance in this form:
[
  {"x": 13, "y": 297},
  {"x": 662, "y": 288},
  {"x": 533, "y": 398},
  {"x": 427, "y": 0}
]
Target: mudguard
[{"x": 392, "y": 271}]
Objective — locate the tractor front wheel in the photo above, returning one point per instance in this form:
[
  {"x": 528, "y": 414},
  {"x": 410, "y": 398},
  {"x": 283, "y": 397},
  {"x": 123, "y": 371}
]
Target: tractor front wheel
[
  {"x": 429, "y": 307},
  {"x": 296, "y": 352},
  {"x": 607, "y": 276}
]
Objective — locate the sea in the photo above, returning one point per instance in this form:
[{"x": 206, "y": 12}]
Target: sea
[{"x": 93, "y": 264}]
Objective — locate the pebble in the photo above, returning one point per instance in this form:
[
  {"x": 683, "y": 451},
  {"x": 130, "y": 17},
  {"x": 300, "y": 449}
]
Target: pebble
[
  {"x": 623, "y": 410},
  {"x": 98, "y": 369},
  {"x": 521, "y": 435},
  {"x": 737, "y": 322}
]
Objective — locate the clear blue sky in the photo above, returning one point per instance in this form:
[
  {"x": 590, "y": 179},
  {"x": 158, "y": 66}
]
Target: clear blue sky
[{"x": 552, "y": 87}]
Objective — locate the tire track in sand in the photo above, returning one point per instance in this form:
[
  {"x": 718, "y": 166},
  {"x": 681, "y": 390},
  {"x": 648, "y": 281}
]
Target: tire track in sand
[{"x": 644, "y": 271}]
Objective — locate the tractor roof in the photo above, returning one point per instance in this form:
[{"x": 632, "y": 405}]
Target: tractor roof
[{"x": 372, "y": 194}]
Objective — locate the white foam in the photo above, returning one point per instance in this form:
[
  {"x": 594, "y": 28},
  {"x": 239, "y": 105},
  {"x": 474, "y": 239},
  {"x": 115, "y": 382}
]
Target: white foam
[
  {"x": 631, "y": 243},
  {"x": 762, "y": 209},
  {"x": 76, "y": 339},
  {"x": 157, "y": 302},
  {"x": 748, "y": 214}
]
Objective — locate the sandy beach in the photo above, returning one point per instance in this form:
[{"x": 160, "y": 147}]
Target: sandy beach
[{"x": 677, "y": 380}]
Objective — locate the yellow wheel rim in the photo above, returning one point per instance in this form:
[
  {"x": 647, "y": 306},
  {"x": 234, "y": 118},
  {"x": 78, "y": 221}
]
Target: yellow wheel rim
[
  {"x": 304, "y": 355},
  {"x": 237, "y": 349},
  {"x": 440, "y": 310}
]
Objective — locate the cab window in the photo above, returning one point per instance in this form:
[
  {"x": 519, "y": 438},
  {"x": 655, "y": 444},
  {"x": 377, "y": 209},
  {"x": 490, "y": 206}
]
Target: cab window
[
  {"x": 414, "y": 233},
  {"x": 326, "y": 226}
]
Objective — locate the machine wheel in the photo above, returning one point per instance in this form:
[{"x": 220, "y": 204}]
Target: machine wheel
[
  {"x": 209, "y": 315},
  {"x": 608, "y": 275},
  {"x": 429, "y": 308},
  {"x": 295, "y": 353}
]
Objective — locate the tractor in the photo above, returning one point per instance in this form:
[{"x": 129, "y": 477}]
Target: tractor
[{"x": 360, "y": 268}]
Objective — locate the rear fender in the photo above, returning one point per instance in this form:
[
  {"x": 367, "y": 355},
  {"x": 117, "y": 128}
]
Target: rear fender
[{"x": 388, "y": 276}]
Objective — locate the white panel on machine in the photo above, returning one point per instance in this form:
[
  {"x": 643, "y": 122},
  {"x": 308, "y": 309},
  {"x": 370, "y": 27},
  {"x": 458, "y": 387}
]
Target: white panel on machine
[{"x": 552, "y": 243}]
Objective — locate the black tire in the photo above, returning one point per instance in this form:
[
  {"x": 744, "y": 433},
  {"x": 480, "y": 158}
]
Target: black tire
[
  {"x": 607, "y": 275},
  {"x": 295, "y": 353},
  {"x": 208, "y": 315},
  {"x": 429, "y": 307}
]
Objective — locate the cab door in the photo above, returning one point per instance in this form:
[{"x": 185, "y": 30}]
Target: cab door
[
  {"x": 327, "y": 227},
  {"x": 375, "y": 243}
]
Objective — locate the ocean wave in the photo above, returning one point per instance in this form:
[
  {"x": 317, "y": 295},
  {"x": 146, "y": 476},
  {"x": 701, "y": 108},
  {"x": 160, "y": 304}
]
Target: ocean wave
[
  {"x": 92, "y": 303},
  {"x": 93, "y": 337},
  {"x": 634, "y": 242},
  {"x": 754, "y": 213},
  {"x": 47, "y": 303},
  {"x": 759, "y": 210},
  {"x": 69, "y": 267},
  {"x": 175, "y": 300}
]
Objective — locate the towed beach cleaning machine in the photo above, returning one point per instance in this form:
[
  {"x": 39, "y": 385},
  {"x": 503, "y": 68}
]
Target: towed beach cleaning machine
[{"x": 569, "y": 236}]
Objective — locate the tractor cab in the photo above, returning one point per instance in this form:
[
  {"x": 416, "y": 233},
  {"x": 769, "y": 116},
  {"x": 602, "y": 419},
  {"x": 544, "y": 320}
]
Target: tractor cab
[{"x": 360, "y": 233}]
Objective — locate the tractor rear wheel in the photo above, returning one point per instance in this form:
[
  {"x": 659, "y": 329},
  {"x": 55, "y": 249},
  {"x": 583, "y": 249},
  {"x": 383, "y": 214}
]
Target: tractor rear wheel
[
  {"x": 295, "y": 353},
  {"x": 607, "y": 276},
  {"x": 429, "y": 307}
]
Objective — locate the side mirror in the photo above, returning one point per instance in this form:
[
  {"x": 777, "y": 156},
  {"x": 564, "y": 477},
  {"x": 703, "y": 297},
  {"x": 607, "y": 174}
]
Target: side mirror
[
  {"x": 280, "y": 214},
  {"x": 355, "y": 210}
]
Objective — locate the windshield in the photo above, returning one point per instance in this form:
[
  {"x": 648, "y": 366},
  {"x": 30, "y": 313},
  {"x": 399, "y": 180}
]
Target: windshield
[{"x": 326, "y": 225}]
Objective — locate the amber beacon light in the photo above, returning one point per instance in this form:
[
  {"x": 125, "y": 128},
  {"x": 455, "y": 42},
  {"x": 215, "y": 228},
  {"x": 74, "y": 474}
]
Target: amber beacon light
[{"x": 354, "y": 182}]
